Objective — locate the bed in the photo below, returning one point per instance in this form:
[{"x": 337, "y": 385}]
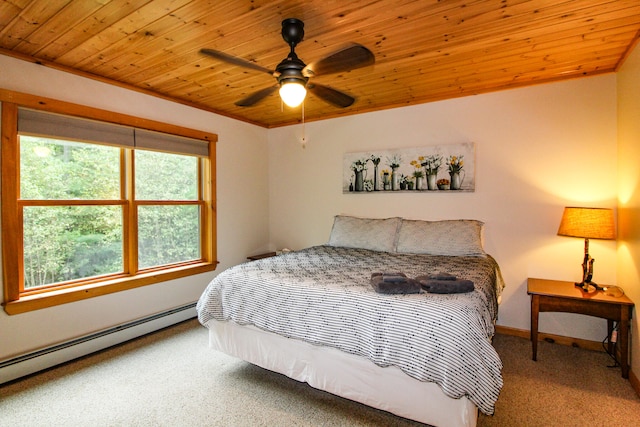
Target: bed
[{"x": 314, "y": 316}]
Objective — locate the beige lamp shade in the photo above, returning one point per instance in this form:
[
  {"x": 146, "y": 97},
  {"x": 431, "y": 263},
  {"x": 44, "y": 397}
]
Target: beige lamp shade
[{"x": 588, "y": 223}]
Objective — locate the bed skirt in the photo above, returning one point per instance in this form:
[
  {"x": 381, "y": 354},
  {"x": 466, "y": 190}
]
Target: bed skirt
[{"x": 344, "y": 375}]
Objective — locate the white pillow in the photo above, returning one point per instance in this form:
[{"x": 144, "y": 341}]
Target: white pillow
[
  {"x": 365, "y": 233},
  {"x": 448, "y": 237}
]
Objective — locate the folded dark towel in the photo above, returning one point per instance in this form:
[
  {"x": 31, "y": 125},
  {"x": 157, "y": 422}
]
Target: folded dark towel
[
  {"x": 394, "y": 283},
  {"x": 442, "y": 276},
  {"x": 445, "y": 286},
  {"x": 393, "y": 279}
]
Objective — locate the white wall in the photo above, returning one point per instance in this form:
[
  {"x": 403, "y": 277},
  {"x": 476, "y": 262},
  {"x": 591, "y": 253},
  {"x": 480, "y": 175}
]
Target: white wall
[
  {"x": 538, "y": 149},
  {"x": 629, "y": 191},
  {"x": 242, "y": 177}
]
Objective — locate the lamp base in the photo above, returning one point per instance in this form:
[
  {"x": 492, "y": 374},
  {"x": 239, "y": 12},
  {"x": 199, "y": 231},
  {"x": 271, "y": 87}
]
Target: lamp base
[{"x": 588, "y": 287}]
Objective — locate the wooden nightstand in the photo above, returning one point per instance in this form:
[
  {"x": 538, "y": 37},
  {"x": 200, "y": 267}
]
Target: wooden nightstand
[
  {"x": 260, "y": 256},
  {"x": 559, "y": 296}
]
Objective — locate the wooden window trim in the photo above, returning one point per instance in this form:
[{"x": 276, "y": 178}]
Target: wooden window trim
[{"x": 14, "y": 303}]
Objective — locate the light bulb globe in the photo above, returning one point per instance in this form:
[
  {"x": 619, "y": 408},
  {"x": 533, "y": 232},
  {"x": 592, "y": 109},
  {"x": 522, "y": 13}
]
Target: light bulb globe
[{"x": 292, "y": 94}]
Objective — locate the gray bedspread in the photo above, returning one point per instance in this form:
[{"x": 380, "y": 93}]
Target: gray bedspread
[{"x": 323, "y": 295}]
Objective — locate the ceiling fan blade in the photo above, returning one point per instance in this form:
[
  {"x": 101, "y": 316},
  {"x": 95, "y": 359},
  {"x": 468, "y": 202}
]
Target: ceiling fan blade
[
  {"x": 332, "y": 96},
  {"x": 235, "y": 60},
  {"x": 349, "y": 58},
  {"x": 256, "y": 97}
]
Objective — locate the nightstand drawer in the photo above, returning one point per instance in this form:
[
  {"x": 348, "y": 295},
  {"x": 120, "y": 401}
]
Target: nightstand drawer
[{"x": 590, "y": 308}]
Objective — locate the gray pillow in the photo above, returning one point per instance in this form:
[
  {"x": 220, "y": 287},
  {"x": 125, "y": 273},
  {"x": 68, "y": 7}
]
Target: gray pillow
[
  {"x": 366, "y": 233},
  {"x": 448, "y": 237}
]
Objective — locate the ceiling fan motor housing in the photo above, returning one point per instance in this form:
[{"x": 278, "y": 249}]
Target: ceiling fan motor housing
[{"x": 290, "y": 70}]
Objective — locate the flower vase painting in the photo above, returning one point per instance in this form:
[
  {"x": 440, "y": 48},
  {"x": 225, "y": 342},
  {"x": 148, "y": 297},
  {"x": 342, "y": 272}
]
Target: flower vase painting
[{"x": 428, "y": 169}]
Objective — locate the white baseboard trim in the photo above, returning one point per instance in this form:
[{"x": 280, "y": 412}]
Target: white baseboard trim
[{"x": 48, "y": 357}]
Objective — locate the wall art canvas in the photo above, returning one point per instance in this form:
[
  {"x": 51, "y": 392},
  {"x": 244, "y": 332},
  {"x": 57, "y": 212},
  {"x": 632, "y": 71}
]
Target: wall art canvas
[{"x": 428, "y": 169}]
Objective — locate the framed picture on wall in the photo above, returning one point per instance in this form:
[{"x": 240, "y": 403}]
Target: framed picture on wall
[{"x": 431, "y": 168}]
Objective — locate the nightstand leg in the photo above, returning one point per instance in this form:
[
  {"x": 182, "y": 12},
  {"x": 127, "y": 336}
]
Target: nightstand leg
[
  {"x": 535, "y": 308},
  {"x": 623, "y": 337},
  {"x": 610, "y": 331}
]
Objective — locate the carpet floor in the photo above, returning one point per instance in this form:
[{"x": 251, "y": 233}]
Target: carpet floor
[{"x": 172, "y": 378}]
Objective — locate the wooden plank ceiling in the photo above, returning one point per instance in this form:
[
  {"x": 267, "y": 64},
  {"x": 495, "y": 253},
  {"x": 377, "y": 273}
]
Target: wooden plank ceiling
[{"x": 425, "y": 50}]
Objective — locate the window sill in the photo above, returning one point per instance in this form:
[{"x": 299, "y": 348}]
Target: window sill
[{"x": 78, "y": 293}]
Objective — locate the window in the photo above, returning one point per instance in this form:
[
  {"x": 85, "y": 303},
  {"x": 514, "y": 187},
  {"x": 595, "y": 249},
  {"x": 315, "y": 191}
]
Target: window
[
  {"x": 65, "y": 242},
  {"x": 92, "y": 207}
]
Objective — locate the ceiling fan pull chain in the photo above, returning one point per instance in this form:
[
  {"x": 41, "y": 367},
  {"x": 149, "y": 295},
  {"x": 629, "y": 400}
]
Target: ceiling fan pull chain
[{"x": 304, "y": 139}]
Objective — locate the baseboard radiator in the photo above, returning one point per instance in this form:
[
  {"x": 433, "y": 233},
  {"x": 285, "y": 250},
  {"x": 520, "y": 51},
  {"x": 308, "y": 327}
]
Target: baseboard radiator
[{"x": 48, "y": 357}]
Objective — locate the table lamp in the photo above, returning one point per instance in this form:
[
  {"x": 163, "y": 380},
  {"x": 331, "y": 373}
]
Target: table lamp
[{"x": 587, "y": 223}]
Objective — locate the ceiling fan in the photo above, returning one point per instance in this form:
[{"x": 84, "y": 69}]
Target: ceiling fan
[{"x": 293, "y": 75}]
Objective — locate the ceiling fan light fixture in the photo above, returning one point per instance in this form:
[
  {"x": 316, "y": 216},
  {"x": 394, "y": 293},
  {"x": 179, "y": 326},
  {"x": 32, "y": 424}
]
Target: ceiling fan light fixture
[{"x": 292, "y": 93}]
